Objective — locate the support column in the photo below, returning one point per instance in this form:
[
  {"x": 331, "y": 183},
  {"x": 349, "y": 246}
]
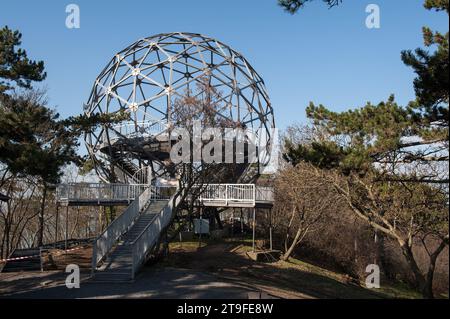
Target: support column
[
  {"x": 56, "y": 224},
  {"x": 232, "y": 222},
  {"x": 254, "y": 231},
  {"x": 67, "y": 227},
  {"x": 270, "y": 229}
]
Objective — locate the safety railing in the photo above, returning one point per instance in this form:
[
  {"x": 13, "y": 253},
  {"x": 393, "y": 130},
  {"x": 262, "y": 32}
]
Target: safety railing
[
  {"x": 211, "y": 193},
  {"x": 226, "y": 193},
  {"x": 149, "y": 236},
  {"x": 143, "y": 175},
  {"x": 106, "y": 240},
  {"x": 132, "y": 129},
  {"x": 98, "y": 192}
]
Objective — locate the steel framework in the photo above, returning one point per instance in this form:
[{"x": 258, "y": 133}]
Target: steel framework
[{"x": 149, "y": 78}]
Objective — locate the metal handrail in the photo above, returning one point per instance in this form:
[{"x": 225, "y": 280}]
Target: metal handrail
[
  {"x": 161, "y": 198},
  {"x": 98, "y": 191},
  {"x": 152, "y": 231},
  {"x": 228, "y": 192},
  {"x": 106, "y": 240}
]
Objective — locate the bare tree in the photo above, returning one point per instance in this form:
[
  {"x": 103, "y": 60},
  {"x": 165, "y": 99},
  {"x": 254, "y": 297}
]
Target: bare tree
[{"x": 302, "y": 201}]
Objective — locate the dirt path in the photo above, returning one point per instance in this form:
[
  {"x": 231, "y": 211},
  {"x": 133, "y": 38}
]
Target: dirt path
[{"x": 229, "y": 261}]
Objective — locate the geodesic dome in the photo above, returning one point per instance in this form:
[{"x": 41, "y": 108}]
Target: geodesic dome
[{"x": 151, "y": 76}]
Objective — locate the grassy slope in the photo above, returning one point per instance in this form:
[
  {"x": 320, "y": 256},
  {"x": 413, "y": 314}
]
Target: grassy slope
[{"x": 227, "y": 258}]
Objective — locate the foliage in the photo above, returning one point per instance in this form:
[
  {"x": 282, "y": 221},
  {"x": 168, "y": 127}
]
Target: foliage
[
  {"x": 292, "y": 6},
  {"x": 15, "y": 66},
  {"x": 390, "y": 163},
  {"x": 33, "y": 140},
  {"x": 432, "y": 70}
]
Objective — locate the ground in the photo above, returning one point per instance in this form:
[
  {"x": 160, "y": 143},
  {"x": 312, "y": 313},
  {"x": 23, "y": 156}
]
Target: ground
[{"x": 212, "y": 269}]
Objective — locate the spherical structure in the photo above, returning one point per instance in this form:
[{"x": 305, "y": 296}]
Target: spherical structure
[{"x": 152, "y": 78}]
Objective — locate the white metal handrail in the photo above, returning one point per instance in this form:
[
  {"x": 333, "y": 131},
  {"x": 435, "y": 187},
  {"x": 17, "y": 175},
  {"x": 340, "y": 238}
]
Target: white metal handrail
[
  {"x": 244, "y": 193},
  {"x": 98, "y": 191},
  {"x": 143, "y": 175},
  {"x": 106, "y": 240},
  {"x": 151, "y": 233}
]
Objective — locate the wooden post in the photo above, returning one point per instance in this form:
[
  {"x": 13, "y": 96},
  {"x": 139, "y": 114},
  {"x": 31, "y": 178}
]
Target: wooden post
[
  {"x": 200, "y": 234},
  {"x": 270, "y": 228},
  {"x": 254, "y": 226},
  {"x": 242, "y": 222},
  {"x": 232, "y": 222},
  {"x": 56, "y": 224},
  {"x": 67, "y": 227}
]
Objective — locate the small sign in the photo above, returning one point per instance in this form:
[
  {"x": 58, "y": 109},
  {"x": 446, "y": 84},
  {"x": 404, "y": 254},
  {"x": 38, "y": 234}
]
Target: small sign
[{"x": 201, "y": 226}]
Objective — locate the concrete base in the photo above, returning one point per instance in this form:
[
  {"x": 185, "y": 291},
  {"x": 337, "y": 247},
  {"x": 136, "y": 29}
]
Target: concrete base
[{"x": 264, "y": 256}]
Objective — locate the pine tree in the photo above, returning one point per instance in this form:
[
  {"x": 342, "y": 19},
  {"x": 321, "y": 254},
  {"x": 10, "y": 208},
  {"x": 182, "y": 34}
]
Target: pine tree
[
  {"x": 390, "y": 163},
  {"x": 292, "y": 6},
  {"x": 15, "y": 66}
]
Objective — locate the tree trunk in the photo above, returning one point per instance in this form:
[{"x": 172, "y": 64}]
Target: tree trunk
[
  {"x": 41, "y": 217},
  {"x": 420, "y": 280},
  {"x": 294, "y": 244},
  {"x": 291, "y": 220},
  {"x": 427, "y": 290}
]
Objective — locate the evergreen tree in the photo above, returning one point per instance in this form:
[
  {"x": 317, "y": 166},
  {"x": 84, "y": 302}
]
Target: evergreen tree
[
  {"x": 35, "y": 142},
  {"x": 292, "y": 6},
  {"x": 432, "y": 70},
  {"x": 389, "y": 162},
  {"x": 15, "y": 66}
]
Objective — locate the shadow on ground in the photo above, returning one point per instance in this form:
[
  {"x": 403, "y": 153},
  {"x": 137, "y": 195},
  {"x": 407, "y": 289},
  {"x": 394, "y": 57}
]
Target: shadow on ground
[
  {"x": 227, "y": 260},
  {"x": 218, "y": 270},
  {"x": 150, "y": 283}
]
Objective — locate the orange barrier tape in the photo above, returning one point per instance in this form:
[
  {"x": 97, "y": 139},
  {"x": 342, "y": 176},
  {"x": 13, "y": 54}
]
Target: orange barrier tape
[{"x": 34, "y": 256}]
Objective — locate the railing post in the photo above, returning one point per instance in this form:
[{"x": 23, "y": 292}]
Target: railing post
[
  {"x": 226, "y": 194},
  {"x": 94, "y": 257},
  {"x": 254, "y": 194}
]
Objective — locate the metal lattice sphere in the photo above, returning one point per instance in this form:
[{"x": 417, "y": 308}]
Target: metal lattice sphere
[{"x": 151, "y": 77}]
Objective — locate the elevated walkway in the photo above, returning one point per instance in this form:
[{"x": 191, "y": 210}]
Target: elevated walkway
[
  {"x": 126, "y": 244},
  {"x": 212, "y": 195}
]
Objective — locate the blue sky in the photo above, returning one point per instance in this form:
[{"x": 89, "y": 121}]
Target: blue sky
[{"x": 320, "y": 55}]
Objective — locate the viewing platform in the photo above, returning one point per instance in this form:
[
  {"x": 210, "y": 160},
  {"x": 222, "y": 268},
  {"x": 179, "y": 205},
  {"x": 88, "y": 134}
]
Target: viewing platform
[{"x": 211, "y": 195}]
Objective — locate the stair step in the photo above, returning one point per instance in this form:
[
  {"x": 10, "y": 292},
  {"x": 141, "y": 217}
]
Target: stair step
[{"x": 118, "y": 264}]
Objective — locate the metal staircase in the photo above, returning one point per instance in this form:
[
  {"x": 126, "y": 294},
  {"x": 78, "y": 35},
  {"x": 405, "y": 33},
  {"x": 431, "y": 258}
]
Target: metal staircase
[
  {"x": 123, "y": 247},
  {"x": 118, "y": 264}
]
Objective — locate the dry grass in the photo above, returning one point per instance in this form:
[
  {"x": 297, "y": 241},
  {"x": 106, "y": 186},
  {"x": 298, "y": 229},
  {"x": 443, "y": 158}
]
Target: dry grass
[{"x": 293, "y": 279}]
